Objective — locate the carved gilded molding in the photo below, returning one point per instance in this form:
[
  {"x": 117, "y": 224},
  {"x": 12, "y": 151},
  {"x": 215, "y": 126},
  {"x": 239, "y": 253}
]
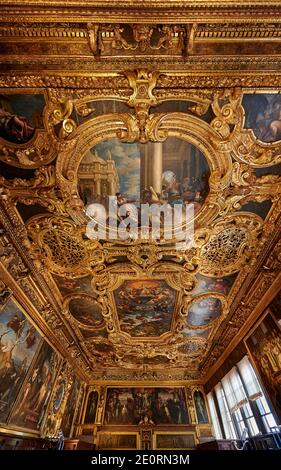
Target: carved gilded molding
[{"x": 113, "y": 84}]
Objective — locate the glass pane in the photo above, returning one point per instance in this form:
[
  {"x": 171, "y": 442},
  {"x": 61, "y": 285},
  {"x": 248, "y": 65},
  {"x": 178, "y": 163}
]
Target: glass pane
[
  {"x": 265, "y": 404},
  {"x": 266, "y": 423},
  {"x": 260, "y": 406},
  {"x": 253, "y": 426},
  {"x": 247, "y": 410},
  {"x": 238, "y": 415},
  {"x": 271, "y": 421},
  {"x": 233, "y": 433}
]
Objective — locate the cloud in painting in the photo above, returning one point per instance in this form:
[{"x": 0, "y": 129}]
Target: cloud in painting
[{"x": 127, "y": 160}]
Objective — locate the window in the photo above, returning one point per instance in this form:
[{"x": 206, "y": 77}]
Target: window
[
  {"x": 250, "y": 420},
  {"x": 255, "y": 393},
  {"x": 240, "y": 422},
  {"x": 241, "y": 404},
  {"x": 265, "y": 412}
]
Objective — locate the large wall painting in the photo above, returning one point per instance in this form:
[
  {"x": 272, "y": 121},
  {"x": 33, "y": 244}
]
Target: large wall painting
[
  {"x": 70, "y": 408},
  {"x": 20, "y": 116},
  {"x": 263, "y": 115},
  {"x": 33, "y": 399},
  {"x": 126, "y": 406},
  {"x": 264, "y": 345},
  {"x": 19, "y": 342},
  {"x": 145, "y": 307}
]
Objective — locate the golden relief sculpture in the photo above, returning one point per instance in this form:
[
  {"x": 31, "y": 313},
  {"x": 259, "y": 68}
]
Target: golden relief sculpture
[{"x": 229, "y": 235}]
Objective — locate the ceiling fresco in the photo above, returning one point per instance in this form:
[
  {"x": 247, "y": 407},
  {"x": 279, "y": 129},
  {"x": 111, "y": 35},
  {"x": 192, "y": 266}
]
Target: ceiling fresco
[
  {"x": 204, "y": 311},
  {"x": 145, "y": 307},
  {"x": 174, "y": 172},
  {"x": 21, "y": 115},
  {"x": 85, "y": 310},
  {"x": 126, "y": 304},
  {"x": 263, "y": 116}
]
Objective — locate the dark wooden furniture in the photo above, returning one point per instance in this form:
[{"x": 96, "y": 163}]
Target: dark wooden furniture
[{"x": 219, "y": 444}]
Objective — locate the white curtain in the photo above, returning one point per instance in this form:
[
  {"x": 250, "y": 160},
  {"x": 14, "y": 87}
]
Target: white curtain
[
  {"x": 234, "y": 390},
  {"x": 214, "y": 416},
  {"x": 249, "y": 378},
  {"x": 225, "y": 416}
]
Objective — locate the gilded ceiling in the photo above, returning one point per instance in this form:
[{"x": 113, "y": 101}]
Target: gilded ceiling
[{"x": 119, "y": 303}]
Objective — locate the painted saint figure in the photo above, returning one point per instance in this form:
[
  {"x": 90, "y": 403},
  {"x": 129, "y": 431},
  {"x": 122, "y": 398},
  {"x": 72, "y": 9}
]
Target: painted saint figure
[{"x": 200, "y": 406}]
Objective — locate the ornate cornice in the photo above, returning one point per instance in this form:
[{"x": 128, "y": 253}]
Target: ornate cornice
[{"x": 196, "y": 10}]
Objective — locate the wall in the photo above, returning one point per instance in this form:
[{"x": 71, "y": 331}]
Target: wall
[{"x": 145, "y": 416}]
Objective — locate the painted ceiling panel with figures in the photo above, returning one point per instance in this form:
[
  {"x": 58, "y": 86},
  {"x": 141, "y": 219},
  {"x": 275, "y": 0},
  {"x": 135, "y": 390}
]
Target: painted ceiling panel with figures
[{"x": 79, "y": 159}]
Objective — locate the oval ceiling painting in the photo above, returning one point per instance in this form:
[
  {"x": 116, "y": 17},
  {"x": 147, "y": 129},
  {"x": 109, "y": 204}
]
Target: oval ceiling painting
[
  {"x": 168, "y": 173},
  {"x": 204, "y": 311},
  {"x": 86, "y": 310}
]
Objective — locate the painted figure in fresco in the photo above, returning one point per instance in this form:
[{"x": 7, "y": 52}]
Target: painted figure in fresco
[
  {"x": 17, "y": 341},
  {"x": 200, "y": 407},
  {"x": 33, "y": 399},
  {"x": 263, "y": 115},
  {"x": 15, "y": 128},
  {"x": 35, "y": 391},
  {"x": 91, "y": 407},
  {"x": 190, "y": 190},
  {"x": 70, "y": 407}
]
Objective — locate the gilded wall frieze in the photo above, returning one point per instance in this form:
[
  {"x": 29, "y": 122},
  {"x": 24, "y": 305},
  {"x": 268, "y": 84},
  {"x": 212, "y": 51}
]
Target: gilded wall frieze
[
  {"x": 109, "y": 38},
  {"x": 112, "y": 82}
]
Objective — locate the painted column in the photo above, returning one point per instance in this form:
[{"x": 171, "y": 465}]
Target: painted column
[{"x": 157, "y": 166}]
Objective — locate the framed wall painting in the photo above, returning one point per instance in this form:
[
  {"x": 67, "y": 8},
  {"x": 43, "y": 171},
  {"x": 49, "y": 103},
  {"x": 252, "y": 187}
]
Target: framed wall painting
[
  {"x": 200, "y": 407},
  {"x": 29, "y": 409},
  {"x": 163, "y": 440},
  {"x": 118, "y": 440},
  {"x": 264, "y": 346},
  {"x": 156, "y": 405},
  {"x": 91, "y": 407}
]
